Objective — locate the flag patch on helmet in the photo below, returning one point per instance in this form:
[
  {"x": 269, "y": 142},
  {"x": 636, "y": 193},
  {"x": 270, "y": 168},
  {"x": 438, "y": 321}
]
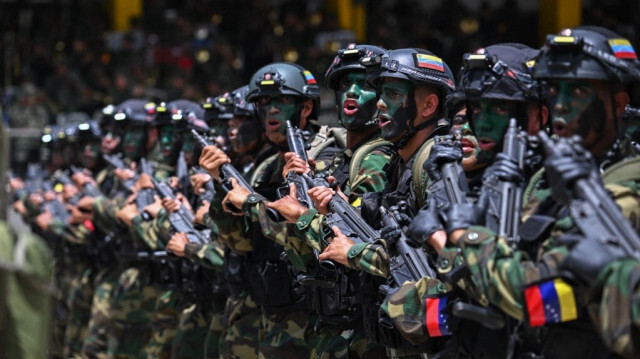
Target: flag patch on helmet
[
  {"x": 437, "y": 319},
  {"x": 551, "y": 301},
  {"x": 309, "y": 77},
  {"x": 622, "y": 49},
  {"x": 429, "y": 62}
]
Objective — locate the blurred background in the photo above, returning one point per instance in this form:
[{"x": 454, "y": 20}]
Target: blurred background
[{"x": 62, "y": 60}]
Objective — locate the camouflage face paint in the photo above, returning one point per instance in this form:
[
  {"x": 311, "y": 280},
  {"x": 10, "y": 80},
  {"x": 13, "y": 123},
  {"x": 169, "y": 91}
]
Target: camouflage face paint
[
  {"x": 576, "y": 108},
  {"x": 393, "y": 108},
  {"x": 275, "y": 112},
  {"x": 490, "y": 121},
  {"x": 90, "y": 154},
  {"x": 357, "y": 100},
  {"x": 133, "y": 142}
]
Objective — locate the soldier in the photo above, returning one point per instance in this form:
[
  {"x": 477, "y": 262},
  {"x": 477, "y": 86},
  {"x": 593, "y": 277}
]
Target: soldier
[
  {"x": 412, "y": 85},
  {"x": 357, "y": 169},
  {"x": 282, "y": 92},
  {"x": 586, "y": 69}
]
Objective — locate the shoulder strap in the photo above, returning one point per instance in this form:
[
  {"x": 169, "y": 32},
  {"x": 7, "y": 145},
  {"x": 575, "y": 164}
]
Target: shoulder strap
[
  {"x": 361, "y": 152},
  {"x": 419, "y": 176},
  {"x": 323, "y": 139},
  {"x": 626, "y": 170}
]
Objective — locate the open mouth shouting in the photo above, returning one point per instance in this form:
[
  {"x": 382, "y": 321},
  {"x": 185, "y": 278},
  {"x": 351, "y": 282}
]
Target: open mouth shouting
[
  {"x": 350, "y": 107},
  {"x": 383, "y": 120},
  {"x": 486, "y": 144},
  {"x": 273, "y": 124},
  {"x": 561, "y": 129},
  {"x": 467, "y": 146}
]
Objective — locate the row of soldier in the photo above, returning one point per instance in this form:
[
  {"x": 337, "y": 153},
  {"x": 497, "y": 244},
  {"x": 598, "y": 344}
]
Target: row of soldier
[{"x": 492, "y": 216}]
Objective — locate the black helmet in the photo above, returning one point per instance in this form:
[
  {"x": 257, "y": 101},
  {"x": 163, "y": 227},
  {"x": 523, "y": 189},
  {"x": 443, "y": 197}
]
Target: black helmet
[
  {"x": 587, "y": 52},
  {"x": 218, "y": 108},
  {"x": 242, "y": 107},
  {"x": 499, "y": 72},
  {"x": 420, "y": 67},
  {"x": 285, "y": 78},
  {"x": 89, "y": 130},
  {"x": 135, "y": 112},
  {"x": 349, "y": 59},
  {"x": 106, "y": 116}
]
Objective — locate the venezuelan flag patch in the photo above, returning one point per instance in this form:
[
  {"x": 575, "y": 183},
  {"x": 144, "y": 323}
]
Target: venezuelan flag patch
[
  {"x": 429, "y": 62},
  {"x": 309, "y": 77},
  {"x": 551, "y": 301},
  {"x": 437, "y": 319},
  {"x": 622, "y": 49}
]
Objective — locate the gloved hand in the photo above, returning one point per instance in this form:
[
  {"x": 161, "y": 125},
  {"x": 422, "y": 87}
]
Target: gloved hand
[
  {"x": 588, "y": 258},
  {"x": 424, "y": 224},
  {"x": 504, "y": 169},
  {"x": 391, "y": 234},
  {"x": 465, "y": 215},
  {"x": 443, "y": 151},
  {"x": 562, "y": 171}
]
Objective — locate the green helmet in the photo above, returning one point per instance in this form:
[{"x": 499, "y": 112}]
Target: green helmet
[{"x": 285, "y": 78}]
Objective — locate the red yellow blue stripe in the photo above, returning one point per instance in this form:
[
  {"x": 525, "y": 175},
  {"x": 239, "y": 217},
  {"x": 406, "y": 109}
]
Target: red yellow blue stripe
[
  {"x": 429, "y": 62},
  {"x": 550, "y": 302},
  {"x": 309, "y": 77},
  {"x": 622, "y": 49},
  {"x": 437, "y": 320}
]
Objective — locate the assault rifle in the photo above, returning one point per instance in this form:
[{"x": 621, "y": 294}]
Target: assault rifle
[
  {"x": 145, "y": 196},
  {"x": 297, "y": 144},
  {"x": 89, "y": 188},
  {"x": 227, "y": 172},
  {"x": 406, "y": 263},
  {"x": 118, "y": 163},
  {"x": 505, "y": 197},
  {"x": 591, "y": 207},
  {"x": 182, "y": 219},
  {"x": 452, "y": 187}
]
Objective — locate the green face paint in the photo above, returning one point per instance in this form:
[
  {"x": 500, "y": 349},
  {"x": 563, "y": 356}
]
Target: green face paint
[
  {"x": 490, "y": 121},
  {"x": 275, "y": 112},
  {"x": 576, "y": 108},
  {"x": 90, "y": 154},
  {"x": 393, "y": 112},
  {"x": 189, "y": 150},
  {"x": 167, "y": 139},
  {"x": 357, "y": 100},
  {"x": 133, "y": 142}
]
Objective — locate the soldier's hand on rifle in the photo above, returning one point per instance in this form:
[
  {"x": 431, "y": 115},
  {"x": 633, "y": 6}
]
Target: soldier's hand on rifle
[
  {"x": 124, "y": 174},
  {"x": 144, "y": 181},
  {"x": 44, "y": 219},
  {"x": 19, "y": 207},
  {"x": 198, "y": 182},
  {"x": 171, "y": 204},
  {"x": 236, "y": 197},
  {"x": 504, "y": 169},
  {"x": 177, "y": 243},
  {"x": 444, "y": 150},
  {"x": 211, "y": 159},
  {"x": 78, "y": 216},
  {"x": 154, "y": 207},
  {"x": 461, "y": 216},
  {"x": 424, "y": 225},
  {"x": 16, "y": 183},
  {"x": 86, "y": 203},
  {"x": 338, "y": 249},
  {"x": 295, "y": 164},
  {"x": 563, "y": 170},
  {"x": 289, "y": 206},
  {"x": 125, "y": 214},
  {"x": 322, "y": 195},
  {"x": 201, "y": 212},
  {"x": 36, "y": 199},
  {"x": 81, "y": 178},
  {"x": 68, "y": 192}
]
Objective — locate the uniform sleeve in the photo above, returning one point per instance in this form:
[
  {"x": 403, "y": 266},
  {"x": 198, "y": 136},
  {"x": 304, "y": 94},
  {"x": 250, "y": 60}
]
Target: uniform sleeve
[
  {"x": 615, "y": 307},
  {"x": 371, "y": 177},
  {"x": 232, "y": 230},
  {"x": 209, "y": 255},
  {"x": 370, "y": 257}
]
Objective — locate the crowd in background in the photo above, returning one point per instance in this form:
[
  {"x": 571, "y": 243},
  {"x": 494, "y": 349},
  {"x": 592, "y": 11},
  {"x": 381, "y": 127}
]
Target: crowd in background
[{"x": 62, "y": 57}]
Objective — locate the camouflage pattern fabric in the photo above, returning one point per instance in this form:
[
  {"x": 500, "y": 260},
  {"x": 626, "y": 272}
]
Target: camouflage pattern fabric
[
  {"x": 210, "y": 255},
  {"x": 615, "y": 307},
  {"x": 242, "y": 328},
  {"x": 213, "y": 339},
  {"x": 79, "y": 303},
  {"x": 192, "y": 330},
  {"x": 286, "y": 335},
  {"x": 372, "y": 258},
  {"x": 164, "y": 322},
  {"x": 95, "y": 342}
]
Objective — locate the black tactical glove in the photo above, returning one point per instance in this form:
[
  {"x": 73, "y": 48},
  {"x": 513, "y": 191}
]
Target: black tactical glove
[
  {"x": 424, "y": 224},
  {"x": 562, "y": 171},
  {"x": 465, "y": 215},
  {"x": 445, "y": 150},
  {"x": 504, "y": 169},
  {"x": 391, "y": 234},
  {"x": 588, "y": 258}
]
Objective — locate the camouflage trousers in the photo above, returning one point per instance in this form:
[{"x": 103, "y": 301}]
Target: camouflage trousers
[
  {"x": 95, "y": 342},
  {"x": 164, "y": 323},
  {"x": 133, "y": 304},
  {"x": 286, "y": 334},
  {"x": 241, "y": 328},
  {"x": 193, "y": 328},
  {"x": 332, "y": 342},
  {"x": 213, "y": 341},
  {"x": 79, "y": 302}
]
